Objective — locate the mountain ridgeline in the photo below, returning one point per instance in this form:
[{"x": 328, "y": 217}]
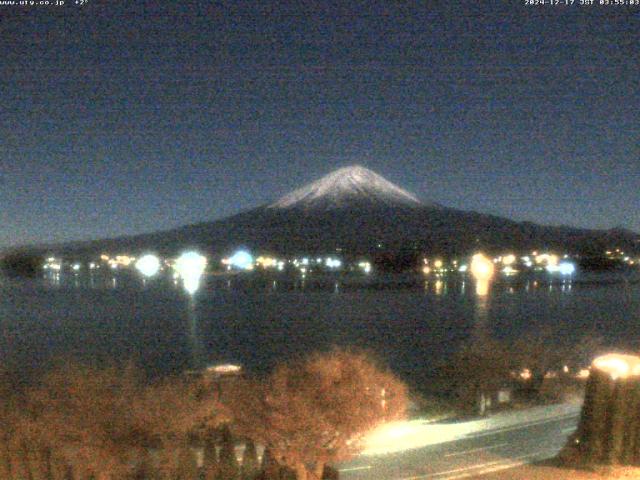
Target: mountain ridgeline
[{"x": 356, "y": 211}]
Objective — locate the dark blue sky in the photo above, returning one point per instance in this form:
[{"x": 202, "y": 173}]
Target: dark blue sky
[{"x": 124, "y": 117}]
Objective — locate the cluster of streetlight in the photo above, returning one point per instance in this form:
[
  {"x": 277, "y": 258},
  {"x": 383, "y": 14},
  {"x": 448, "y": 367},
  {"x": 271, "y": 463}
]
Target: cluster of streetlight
[{"x": 189, "y": 267}]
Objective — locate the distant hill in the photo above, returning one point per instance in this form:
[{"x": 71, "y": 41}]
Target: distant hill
[{"x": 358, "y": 212}]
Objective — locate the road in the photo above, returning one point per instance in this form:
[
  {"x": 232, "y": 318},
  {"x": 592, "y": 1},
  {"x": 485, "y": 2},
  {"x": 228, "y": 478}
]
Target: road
[{"x": 420, "y": 450}]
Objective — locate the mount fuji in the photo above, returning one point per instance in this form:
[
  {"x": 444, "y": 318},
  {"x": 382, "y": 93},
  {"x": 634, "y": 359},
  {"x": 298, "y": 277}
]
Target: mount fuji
[
  {"x": 345, "y": 188},
  {"x": 357, "y": 212}
]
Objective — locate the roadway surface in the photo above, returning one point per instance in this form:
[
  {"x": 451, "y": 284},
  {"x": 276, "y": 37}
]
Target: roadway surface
[{"x": 421, "y": 450}]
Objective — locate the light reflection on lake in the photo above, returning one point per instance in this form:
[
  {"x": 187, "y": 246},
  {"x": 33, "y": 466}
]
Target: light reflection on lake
[{"x": 412, "y": 322}]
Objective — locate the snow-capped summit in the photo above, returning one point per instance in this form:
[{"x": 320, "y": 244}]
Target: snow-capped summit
[{"x": 354, "y": 184}]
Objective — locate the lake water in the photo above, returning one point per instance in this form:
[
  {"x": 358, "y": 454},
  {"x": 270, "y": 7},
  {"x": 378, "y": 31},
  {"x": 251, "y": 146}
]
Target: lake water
[{"x": 409, "y": 322}]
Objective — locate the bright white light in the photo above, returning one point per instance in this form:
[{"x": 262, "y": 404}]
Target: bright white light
[
  {"x": 567, "y": 268},
  {"x": 148, "y": 265},
  {"x": 365, "y": 266},
  {"x": 190, "y": 266},
  {"x": 552, "y": 268},
  {"x": 242, "y": 259},
  {"x": 482, "y": 270},
  {"x": 408, "y": 435},
  {"x": 333, "y": 262},
  {"x": 509, "y": 270},
  {"x": 481, "y": 267},
  {"x": 225, "y": 368},
  {"x": 191, "y": 284},
  {"x": 463, "y": 268},
  {"x": 618, "y": 366},
  {"x": 76, "y": 267}
]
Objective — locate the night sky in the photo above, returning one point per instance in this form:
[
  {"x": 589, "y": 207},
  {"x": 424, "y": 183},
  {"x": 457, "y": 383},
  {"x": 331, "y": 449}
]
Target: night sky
[{"x": 123, "y": 117}]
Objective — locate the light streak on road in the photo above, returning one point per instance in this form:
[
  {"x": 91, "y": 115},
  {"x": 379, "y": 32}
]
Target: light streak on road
[
  {"x": 400, "y": 436},
  {"x": 421, "y": 450},
  {"x": 355, "y": 469}
]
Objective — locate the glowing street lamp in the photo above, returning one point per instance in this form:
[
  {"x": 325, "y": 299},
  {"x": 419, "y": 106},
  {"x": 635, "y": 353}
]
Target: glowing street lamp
[
  {"x": 190, "y": 266},
  {"x": 566, "y": 268},
  {"x": 482, "y": 270},
  {"x": 242, "y": 260},
  {"x": 481, "y": 267},
  {"x": 509, "y": 259},
  {"x": 618, "y": 365},
  {"x": 148, "y": 265}
]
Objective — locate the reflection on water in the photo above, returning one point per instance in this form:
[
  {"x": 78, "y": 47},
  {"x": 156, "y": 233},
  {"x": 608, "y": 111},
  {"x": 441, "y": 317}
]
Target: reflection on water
[
  {"x": 481, "y": 311},
  {"x": 410, "y": 321},
  {"x": 455, "y": 284},
  {"x": 482, "y": 287},
  {"x": 196, "y": 346},
  {"x": 481, "y": 317}
]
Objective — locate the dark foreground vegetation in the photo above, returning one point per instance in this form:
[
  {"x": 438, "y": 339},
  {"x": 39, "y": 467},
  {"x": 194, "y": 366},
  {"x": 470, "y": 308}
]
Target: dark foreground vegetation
[
  {"x": 21, "y": 265},
  {"x": 85, "y": 423},
  {"x": 537, "y": 368}
]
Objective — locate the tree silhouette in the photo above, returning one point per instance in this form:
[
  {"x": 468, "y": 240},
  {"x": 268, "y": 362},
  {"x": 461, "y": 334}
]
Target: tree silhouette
[
  {"x": 313, "y": 411},
  {"x": 82, "y": 422},
  {"x": 228, "y": 468},
  {"x": 249, "y": 461},
  {"x": 210, "y": 458}
]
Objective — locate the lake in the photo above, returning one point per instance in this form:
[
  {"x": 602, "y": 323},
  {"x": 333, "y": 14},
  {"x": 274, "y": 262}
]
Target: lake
[{"x": 410, "y": 322}]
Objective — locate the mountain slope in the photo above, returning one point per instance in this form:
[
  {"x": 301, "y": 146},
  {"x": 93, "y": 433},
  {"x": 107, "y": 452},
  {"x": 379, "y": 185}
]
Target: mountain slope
[{"x": 358, "y": 212}]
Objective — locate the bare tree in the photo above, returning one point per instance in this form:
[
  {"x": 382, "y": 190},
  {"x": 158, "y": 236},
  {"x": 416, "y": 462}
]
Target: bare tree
[
  {"x": 83, "y": 422},
  {"x": 314, "y": 411}
]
